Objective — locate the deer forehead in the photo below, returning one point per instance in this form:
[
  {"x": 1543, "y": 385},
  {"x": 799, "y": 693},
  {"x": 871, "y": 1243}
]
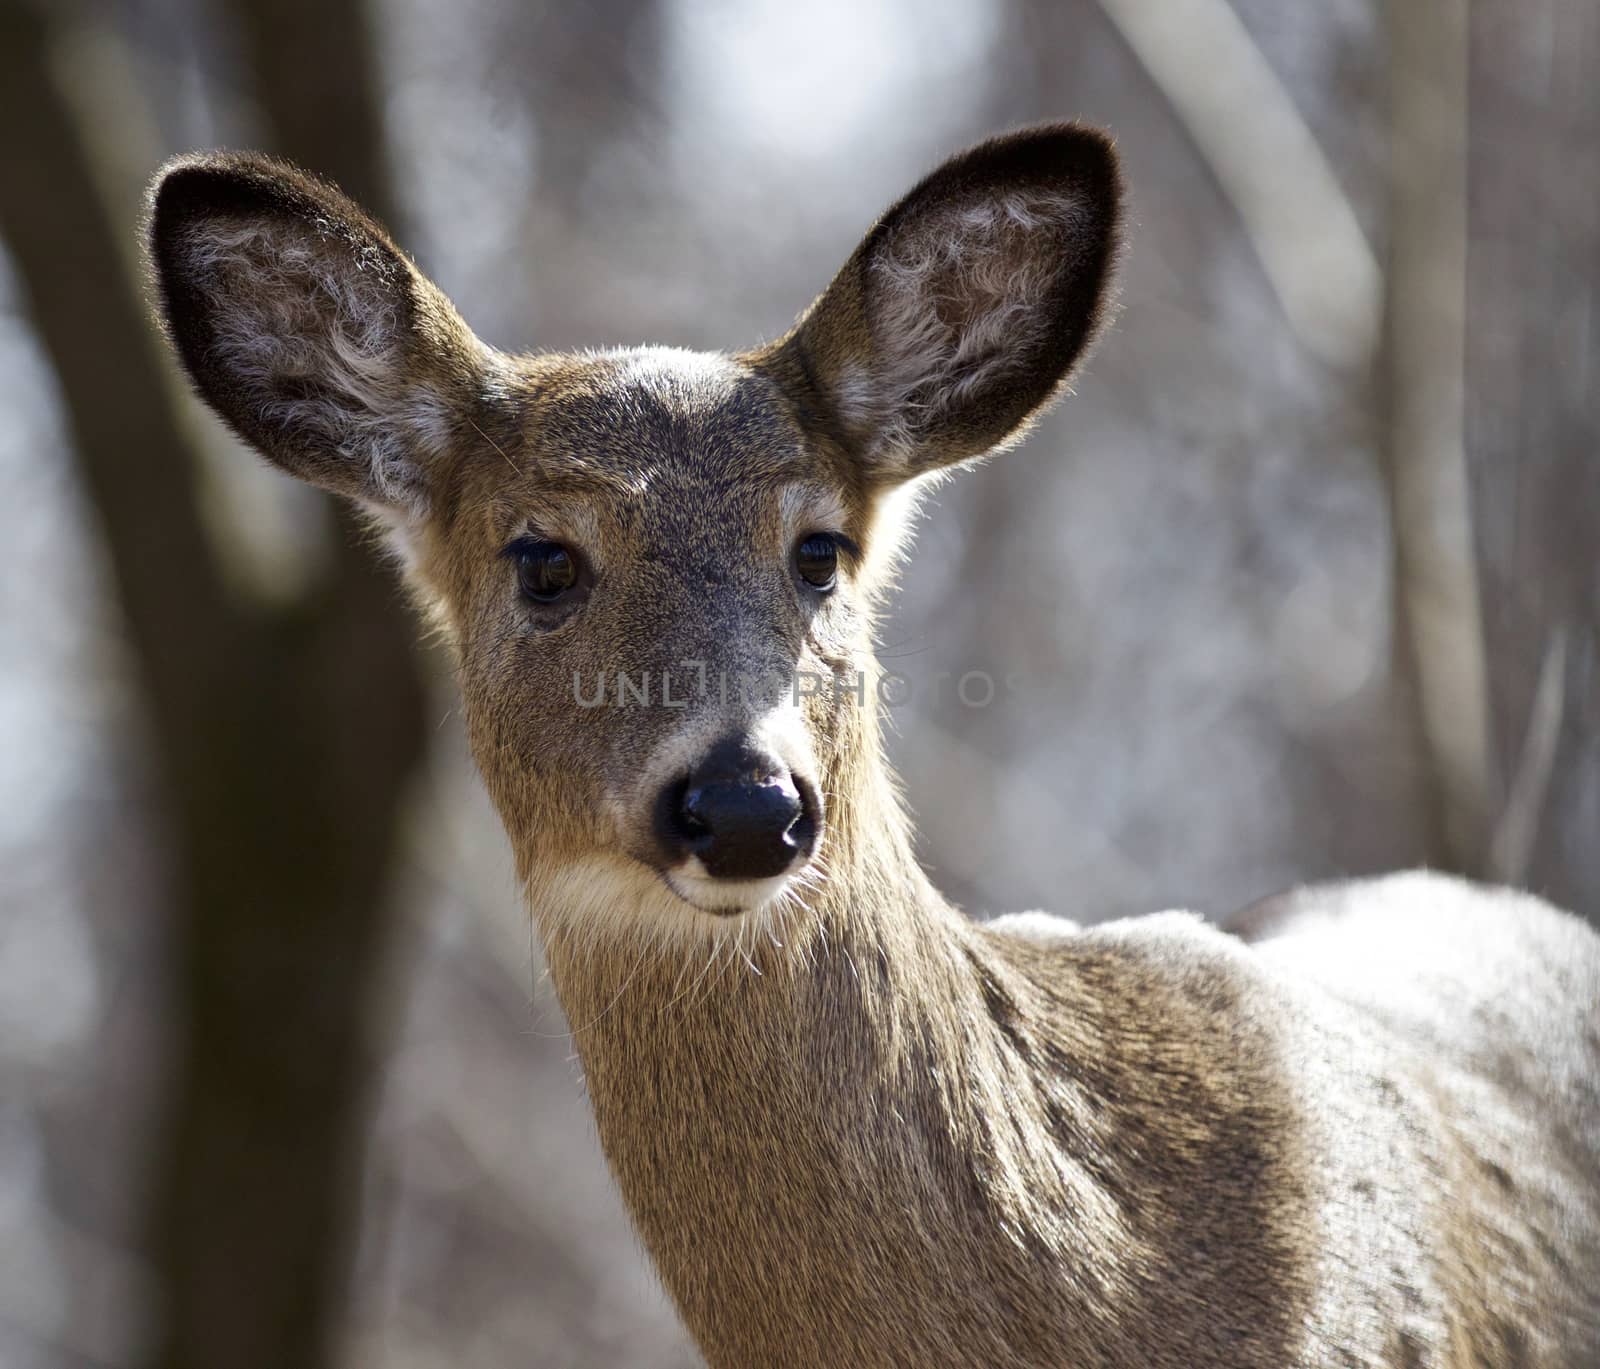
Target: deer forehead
[
  {"x": 637, "y": 419},
  {"x": 657, "y": 452}
]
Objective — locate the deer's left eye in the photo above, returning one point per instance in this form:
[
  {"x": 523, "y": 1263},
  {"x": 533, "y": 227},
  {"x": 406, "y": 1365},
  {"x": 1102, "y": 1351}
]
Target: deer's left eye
[
  {"x": 545, "y": 570},
  {"x": 817, "y": 560}
]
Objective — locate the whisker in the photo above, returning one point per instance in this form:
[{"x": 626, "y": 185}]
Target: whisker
[{"x": 485, "y": 436}]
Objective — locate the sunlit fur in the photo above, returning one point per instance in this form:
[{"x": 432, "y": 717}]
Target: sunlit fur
[{"x": 853, "y": 1127}]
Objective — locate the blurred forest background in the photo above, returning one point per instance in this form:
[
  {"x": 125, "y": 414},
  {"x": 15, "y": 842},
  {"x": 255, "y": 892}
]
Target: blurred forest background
[{"x": 1303, "y": 583}]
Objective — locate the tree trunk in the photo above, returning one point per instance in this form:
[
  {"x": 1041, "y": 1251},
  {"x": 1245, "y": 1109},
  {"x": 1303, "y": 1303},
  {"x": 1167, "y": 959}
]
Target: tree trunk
[
  {"x": 286, "y": 738},
  {"x": 1533, "y": 429},
  {"x": 1436, "y": 602}
]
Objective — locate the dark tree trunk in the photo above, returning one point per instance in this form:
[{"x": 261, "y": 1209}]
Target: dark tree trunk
[{"x": 286, "y": 738}]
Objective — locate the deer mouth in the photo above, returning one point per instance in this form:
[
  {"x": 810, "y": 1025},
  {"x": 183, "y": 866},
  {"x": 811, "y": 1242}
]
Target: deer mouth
[{"x": 723, "y": 897}]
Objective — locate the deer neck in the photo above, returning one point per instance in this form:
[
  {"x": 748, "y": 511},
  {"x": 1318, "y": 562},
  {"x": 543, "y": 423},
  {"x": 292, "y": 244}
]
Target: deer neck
[{"x": 762, "y": 1110}]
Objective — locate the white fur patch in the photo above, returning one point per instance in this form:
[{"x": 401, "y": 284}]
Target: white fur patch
[
  {"x": 688, "y": 383},
  {"x": 671, "y": 370},
  {"x": 1033, "y": 926},
  {"x": 610, "y": 900},
  {"x": 692, "y": 884}
]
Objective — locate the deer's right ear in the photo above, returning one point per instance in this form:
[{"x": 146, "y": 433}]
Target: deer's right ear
[
  {"x": 304, "y": 326},
  {"x": 966, "y": 307}
]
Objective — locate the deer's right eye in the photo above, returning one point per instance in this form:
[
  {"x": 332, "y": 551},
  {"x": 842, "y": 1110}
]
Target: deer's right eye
[
  {"x": 817, "y": 560},
  {"x": 545, "y": 570}
]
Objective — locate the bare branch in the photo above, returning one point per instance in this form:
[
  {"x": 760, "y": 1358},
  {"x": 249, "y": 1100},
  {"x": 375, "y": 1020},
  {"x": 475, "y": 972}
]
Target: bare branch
[
  {"x": 1426, "y": 318},
  {"x": 1247, "y": 128}
]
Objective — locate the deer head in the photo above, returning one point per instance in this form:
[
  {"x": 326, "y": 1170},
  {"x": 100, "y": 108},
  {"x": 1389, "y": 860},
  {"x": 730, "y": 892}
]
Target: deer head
[{"x": 658, "y": 568}]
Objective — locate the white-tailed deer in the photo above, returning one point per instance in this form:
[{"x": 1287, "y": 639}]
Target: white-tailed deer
[{"x": 853, "y": 1127}]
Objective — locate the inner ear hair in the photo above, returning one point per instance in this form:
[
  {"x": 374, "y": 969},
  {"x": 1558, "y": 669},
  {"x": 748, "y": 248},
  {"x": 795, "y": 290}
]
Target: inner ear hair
[
  {"x": 305, "y": 327},
  {"x": 967, "y": 306}
]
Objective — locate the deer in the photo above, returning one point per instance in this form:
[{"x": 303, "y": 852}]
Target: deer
[{"x": 851, "y": 1124}]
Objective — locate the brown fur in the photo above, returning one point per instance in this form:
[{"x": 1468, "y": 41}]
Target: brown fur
[{"x": 852, "y": 1126}]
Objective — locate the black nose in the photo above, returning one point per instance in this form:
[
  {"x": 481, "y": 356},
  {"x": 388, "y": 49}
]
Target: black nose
[{"x": 741, "y": 811}]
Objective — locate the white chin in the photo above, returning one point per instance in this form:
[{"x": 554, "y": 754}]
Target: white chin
[{"x": 724, "y": 897}]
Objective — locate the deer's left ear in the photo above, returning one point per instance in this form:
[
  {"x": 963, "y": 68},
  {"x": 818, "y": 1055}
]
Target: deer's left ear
[{"x": 967, "y": 306}]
